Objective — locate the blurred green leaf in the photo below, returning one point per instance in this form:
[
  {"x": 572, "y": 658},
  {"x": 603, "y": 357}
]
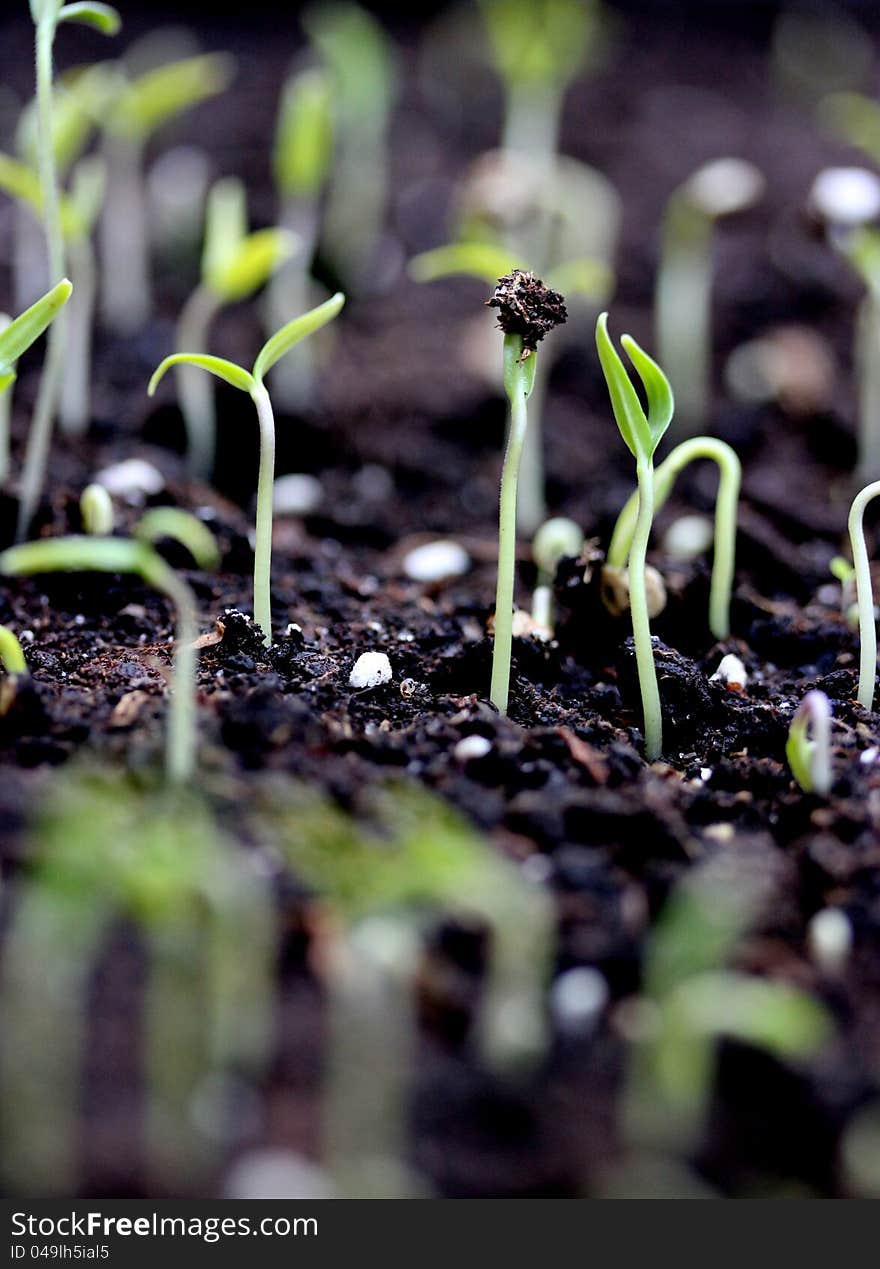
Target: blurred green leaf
[
  {"x": 283, "y": 340},
  {"x": 855, "y": 118},
  {"x": 74, "y": 554},
  {"x": 360, "y": 57},
  {"x": 226, "y": 370},
  {"x": 541, "y": 42},
  {"x": 252, "y": 263},
  {"x": 25, "y": 329},
  {"x": 484, "y": 260},
  {"x": 303, "y": 149},
  {"x": 226, "y": 225},
  {"x": 23, "y": 184},
  {"x": 102, "y": 17},
  {"x": 156, "y": 97},
  {"x": 774, "y": 1016},
  {"x": 585, "y": 276},
  {"x": 171, "y": 522}
]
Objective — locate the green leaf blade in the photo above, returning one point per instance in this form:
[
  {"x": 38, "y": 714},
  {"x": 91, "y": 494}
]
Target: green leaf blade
[
  {"x": 628, "y": 412},
  {"x": 483, "y": 260},
  {"x": 303, "y": 149},
  {"x": 21, "y": 333},
  {"x": 101, "y": 17},
  {"x": 160, "y": 95},
  {"x": 171, "y": 522},
  {"x": 75, "y": 554},
  {"x": 661, "y": 403},
  {"x": 285, "y": 339},
  {"x": 253, "y": 262},
  {"x": 228, "y": 371}
]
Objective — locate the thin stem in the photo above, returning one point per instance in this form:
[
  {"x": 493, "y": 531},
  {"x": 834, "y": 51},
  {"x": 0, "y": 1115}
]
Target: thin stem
[
  {"x": 864, "y": 595},
  {"x": 867, "y": 357},
  {"x": 682, "y": 309},
  {"x": 638, "y": 603},
  {"x": 501, "y": 652},
  {"x": 5, "y": 431},
  {"x": 181, "y": 740},
  {"x": 726, "y": 503},
  {"x": 126, "y": 300},
  {"x": 531, "y": 507},
  {"x": 263, "y": 540},
  {"x": 45, "y": 38},
  {"x": 40, "y": 434},
  {"x": 75, "y": 405},
  {"x": 195, "y": 389},
  {"x": 288, "y": 292}
]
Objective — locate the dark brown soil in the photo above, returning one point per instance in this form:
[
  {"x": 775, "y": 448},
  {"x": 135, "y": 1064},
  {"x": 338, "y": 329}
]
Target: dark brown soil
[{"x": 407, "y": 447}]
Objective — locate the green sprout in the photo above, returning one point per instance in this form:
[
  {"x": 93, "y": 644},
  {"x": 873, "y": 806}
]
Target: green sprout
[
  {"x": 13, "y": 662},
  {"x": 15, "y": 338},
  {"x": 359, "y": 59},
  {"x": 808, "y": 747},
  {"x": 557, "y": 539},
  {"x": 730, "y": 477},
  {"x": 141, "y": 106},
  {"x": 642, "y": 434},
  {"x": 139, "y": 557},
  {"x": 527, "y": 310},
  {"x": 235, "y": 264},
  {"x": 47, "y": 16},
  {"x": 302, "y": 163},
  {"x": 96, "y": 511},
  {"x": 684, "y": 279},
  {"x": 864, "y": 595},
  {"x": 252, "y": 383}
]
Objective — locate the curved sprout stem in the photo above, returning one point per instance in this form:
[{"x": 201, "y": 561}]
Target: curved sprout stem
[
  {"x": 864, "y": 595},
  {"x": 263, "y": 539},
  {"x": 638, "y": 603},
  {"x": 730, "y": 477},
  {"x": 808, "y": 748}
]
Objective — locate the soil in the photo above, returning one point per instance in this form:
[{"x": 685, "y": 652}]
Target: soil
[{"x": 407, "y": 444}]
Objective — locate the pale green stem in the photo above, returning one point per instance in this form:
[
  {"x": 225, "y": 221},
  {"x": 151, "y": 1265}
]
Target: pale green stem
[
  {"x": 726, "y": 502},
  {"x": 502, "y": 649},
  {"x": 265, "y": 489},
  {"x": 288, "y": 293},
  {"x": 864, "y": 595},
  {"x": 196, "y": 389},
  {"x": 867, "y": 356},
  {"x": 40, "y": 435},
  {"x": 531, "y": 506},
  {"x": 542, "y": 603},
  {"x": 638, "y": 603},
  {"x": 531, "y": 123},
  {"x": 682, "y": 313},
  {"x": 181, "y": 741},
  {"x": 126, "y": 298},
  {"x": 75, "y": 405},
  {"x": 5, "y": 429}
]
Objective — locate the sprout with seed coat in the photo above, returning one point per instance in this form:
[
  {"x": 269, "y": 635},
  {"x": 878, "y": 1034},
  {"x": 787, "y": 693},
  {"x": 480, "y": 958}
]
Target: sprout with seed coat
[
  {"x": 557, "y": 539},
  {"x": 252, "y": 383},
  {"x": 96, "y": 511},
  {"x": 808, "y": 747},
  {"x": 642, "y": 434},
  {"x": 864, "y": 595}
]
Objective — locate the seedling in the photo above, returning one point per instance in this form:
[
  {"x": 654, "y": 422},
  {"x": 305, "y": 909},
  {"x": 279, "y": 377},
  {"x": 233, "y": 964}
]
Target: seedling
[
  {"x": 641, "y": 434},
  {"x": 96, "y": 511},
  {"x": 13, "y": 662},
  {"x": 302, "y": 161},
  {"x": 730, "y": 477},
  {"x": 864, "y": 595},
  {"x": 138, "y": 556},
  {"x": 252, "y": 383},
  {"x": 556, "y": 540},
  {"x": 235, "y": 264},
  {"x": 360, "y": 61},
  {"x": 527, "y": 310},
  {"x": 140, "y": 107},
  {"x": 808, "y": 748},
  {"x": 47, "y": 16},
  {"x": 683, "y": 329},
  {"x": 15, "y": 338}
]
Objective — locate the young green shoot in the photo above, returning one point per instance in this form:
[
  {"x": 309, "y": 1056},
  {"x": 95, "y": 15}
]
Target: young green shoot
[
  {"x": 142, "y": 105},
  {"x": 302, "y": 164},
  {"x": 557, "y": 539},
  {"x": 139, "y": 557},
  {"x": 642, "y": 434},
  {"x": 864, "y": 595},
  {"x": 15, "y": 338},
  {"x": 527, "y": 310},
  {"x": 252, "y": 382},
  {"x": 808, "y": 747},
  {"x": 683, "y": 330},
  {"x": 235, "y": 264},
  {"x": 96, "y": 511},
  {"x": 13, "y": 662},
  {"x": 726, "y": 502}
]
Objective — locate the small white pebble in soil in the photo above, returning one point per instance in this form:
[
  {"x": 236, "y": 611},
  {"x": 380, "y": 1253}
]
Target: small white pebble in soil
[
  {"x": 724, "y": 186},
  {"x": 705, "y": 774},
  {"x": 846, "y": 196},
  {"x": 830, "y": 939},
  {"x": 731, "y": 672},
  {"x": 26, "y": 636},
  {"x": 869, "y": 756},
  {"x": 471, "y": 747},
  {"x": 296, "y": 494},
  {"x": 133, "y": 480},
  {"x": 292, "y": 629},
  {"x": 276, "y": 1173},
  {"x": 577, "y": 998},
  {"x": 688, "y": 537},
  {"x": 371, "y": 669},
  {"x": 436, "y": 560}
]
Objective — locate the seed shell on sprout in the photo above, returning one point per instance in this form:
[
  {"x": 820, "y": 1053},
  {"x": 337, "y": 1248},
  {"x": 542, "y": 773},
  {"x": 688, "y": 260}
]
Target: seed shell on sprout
[{"x": 526, "y": 307}]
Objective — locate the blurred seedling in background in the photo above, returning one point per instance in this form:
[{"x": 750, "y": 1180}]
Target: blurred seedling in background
[
  {"x": 690, "y": 1001},
  {"x": 15, "y": 667},
  {"x": 556, "y": 540},
  {"x": 96, "y": 511},
  {"x": 383, "y": 886},
  {"x": 47, "y": 16},
  {"x": 252, "y": 383},
  {"x": 818, "y": 50},
  {"x": 235, "y": 264},
  {"x": 683, "y": 301},
  {"x": 105, "y": 851},
  {"x": 15, "y": 339},
  {"x": 864, "y": 595},
  {"x": 527, "y": 311},
  {"x": 301, "y": 162},
  {"x": 808, "y": 747},
  {"x": 361, "y": 65},
  {"x": 141, "y": 105},
  {"x": 615, "y": 581},
  {"x": 642, "y": 434},
  {"x": 138, "y": 556}
]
